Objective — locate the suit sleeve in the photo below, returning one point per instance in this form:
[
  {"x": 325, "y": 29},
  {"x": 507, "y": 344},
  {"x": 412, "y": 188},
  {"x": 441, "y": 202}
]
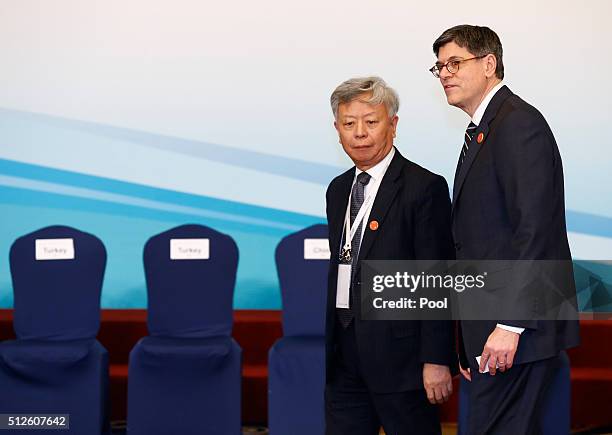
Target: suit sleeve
[
  {"x": 526, "y": 163},
  {"x": 327, "y": 205},
  {"x": 433, "y": 241}
]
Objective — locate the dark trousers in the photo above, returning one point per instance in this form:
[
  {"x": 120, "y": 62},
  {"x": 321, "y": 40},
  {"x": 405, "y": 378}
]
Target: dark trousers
[
  {"x": 352, "y": 409},
  {"x": 510, "y": 403}
]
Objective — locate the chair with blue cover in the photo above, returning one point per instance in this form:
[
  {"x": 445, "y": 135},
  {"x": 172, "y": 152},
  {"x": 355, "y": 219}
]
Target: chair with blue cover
[
  {"x": 296, "y": 379},
  {"x": 184, "y": 378},
  {"x": 55, "y": 365},
  {"x": 555, "y": 416}
]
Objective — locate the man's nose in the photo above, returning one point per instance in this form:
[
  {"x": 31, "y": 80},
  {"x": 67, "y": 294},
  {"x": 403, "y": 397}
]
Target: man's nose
[
  {"x": 360, "y": 130},
  {"x": 444, "y": 74}
]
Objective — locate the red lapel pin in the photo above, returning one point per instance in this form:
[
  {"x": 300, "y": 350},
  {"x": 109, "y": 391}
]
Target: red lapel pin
[
  {"x": 374, "y": 225},
  {"x": 480, "y": 137}
]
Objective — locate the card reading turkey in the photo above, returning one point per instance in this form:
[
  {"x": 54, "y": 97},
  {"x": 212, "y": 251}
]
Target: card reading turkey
[
  {"x": 189, "y": 249},
  {"x": 54, "y": 249}
]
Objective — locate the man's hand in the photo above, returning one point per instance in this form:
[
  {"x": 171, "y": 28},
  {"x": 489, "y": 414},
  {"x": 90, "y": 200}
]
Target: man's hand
[
  {"x": 438, "y": 382},
  {"x": 499, "y": 351}
]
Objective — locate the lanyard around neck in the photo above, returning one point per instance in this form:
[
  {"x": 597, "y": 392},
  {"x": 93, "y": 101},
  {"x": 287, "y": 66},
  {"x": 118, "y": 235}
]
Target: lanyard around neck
[{"x": 351, "y": 230}]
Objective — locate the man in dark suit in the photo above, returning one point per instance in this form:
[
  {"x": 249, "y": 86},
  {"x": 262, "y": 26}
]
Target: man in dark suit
[
  {"x": 382, "y": 372},
  {"x": 508, "y": 204}
]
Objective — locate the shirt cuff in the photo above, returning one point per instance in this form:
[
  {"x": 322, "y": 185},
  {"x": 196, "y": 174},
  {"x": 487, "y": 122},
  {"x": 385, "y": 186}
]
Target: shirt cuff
[{"x": 511, "y": 328}]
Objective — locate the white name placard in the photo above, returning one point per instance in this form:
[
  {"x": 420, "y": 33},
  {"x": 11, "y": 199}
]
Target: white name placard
[
  {"x": 316, "y": 249},
  {"x": 189, "y": 249},
  {"x": 54, "y": 249}
]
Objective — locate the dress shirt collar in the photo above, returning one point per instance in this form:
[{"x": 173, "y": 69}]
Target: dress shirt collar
[
  {"x": 485, "y": 102},
  {"x": 378, "y": 170}
]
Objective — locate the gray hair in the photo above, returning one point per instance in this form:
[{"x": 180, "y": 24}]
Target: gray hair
[{"x": 354, "y": 88}]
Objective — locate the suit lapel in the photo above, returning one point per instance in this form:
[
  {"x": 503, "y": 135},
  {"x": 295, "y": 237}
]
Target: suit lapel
[
  {"x": 384, "y": 198},
  {"x": 336, "y": 223},
  {"x": 475, "y": 145},
  {"x": 463, "y": 169}
]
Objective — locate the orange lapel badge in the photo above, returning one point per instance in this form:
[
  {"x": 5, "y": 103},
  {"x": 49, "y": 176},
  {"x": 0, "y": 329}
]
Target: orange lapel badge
[
  {"x": 374, "y": 225},
  {"x": 480, "y": 137}
]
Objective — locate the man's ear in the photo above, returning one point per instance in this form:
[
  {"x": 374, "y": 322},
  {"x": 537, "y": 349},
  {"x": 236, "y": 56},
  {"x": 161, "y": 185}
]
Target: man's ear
[
  {"x": 490, "y": 65},
  {"x": 336, "y": 127},
  {"x": 394, "y": 121}
]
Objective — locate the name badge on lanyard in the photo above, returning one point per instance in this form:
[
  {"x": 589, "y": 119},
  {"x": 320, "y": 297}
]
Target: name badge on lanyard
[
  {"x": 343, "y": 285},
  {"x": 346, "y": 254}
]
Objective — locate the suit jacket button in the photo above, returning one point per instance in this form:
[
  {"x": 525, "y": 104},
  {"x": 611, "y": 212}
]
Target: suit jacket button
[{"x": 458, "y": 246}]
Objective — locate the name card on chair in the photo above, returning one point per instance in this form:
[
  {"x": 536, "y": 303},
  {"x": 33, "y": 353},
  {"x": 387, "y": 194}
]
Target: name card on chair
[
  {"x": 316, "y": 249},
  {"x": 54, "y": 249},
  {"x": 189, "y": 249}
]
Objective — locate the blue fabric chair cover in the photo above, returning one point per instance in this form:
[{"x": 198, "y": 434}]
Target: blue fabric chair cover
[
  {"x": 296, "y": 365},
  {"x": 184, "y": 378},
  {"x": 56, "y": 365},
  {"x": 556, "y": 408}
]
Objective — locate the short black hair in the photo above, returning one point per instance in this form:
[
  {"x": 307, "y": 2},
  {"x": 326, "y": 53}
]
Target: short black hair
[{"x": 478, "y": 40}]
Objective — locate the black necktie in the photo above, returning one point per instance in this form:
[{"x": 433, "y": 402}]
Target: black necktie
[
  {"x": 467, "y": 138},
  {"x": 357, "y": 196}
]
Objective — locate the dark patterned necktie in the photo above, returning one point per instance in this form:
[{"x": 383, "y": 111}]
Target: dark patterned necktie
[
  {"x": 357, "y": 197},
  {"x": 467, "y": 138}
]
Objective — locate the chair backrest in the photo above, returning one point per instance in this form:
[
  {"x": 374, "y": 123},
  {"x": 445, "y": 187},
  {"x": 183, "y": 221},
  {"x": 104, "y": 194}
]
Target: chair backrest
[
  {"x": 302, "y": 262},
  {"x": 57, "y": 276},
  {"x": 191, "y": 273}
]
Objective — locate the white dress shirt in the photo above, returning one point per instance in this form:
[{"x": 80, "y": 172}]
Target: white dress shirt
[
  {"x": 377, "y": 172},
  {"x": 480, "y": 110}
]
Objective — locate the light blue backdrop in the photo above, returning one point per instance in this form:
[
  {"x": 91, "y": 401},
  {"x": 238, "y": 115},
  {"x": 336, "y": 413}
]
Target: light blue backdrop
[{"x": 124, "y": 119}]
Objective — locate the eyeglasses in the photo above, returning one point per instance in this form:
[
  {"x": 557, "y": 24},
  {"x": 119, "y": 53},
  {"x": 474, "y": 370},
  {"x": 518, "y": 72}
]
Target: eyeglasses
[{"x": 452, "y": 66}]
